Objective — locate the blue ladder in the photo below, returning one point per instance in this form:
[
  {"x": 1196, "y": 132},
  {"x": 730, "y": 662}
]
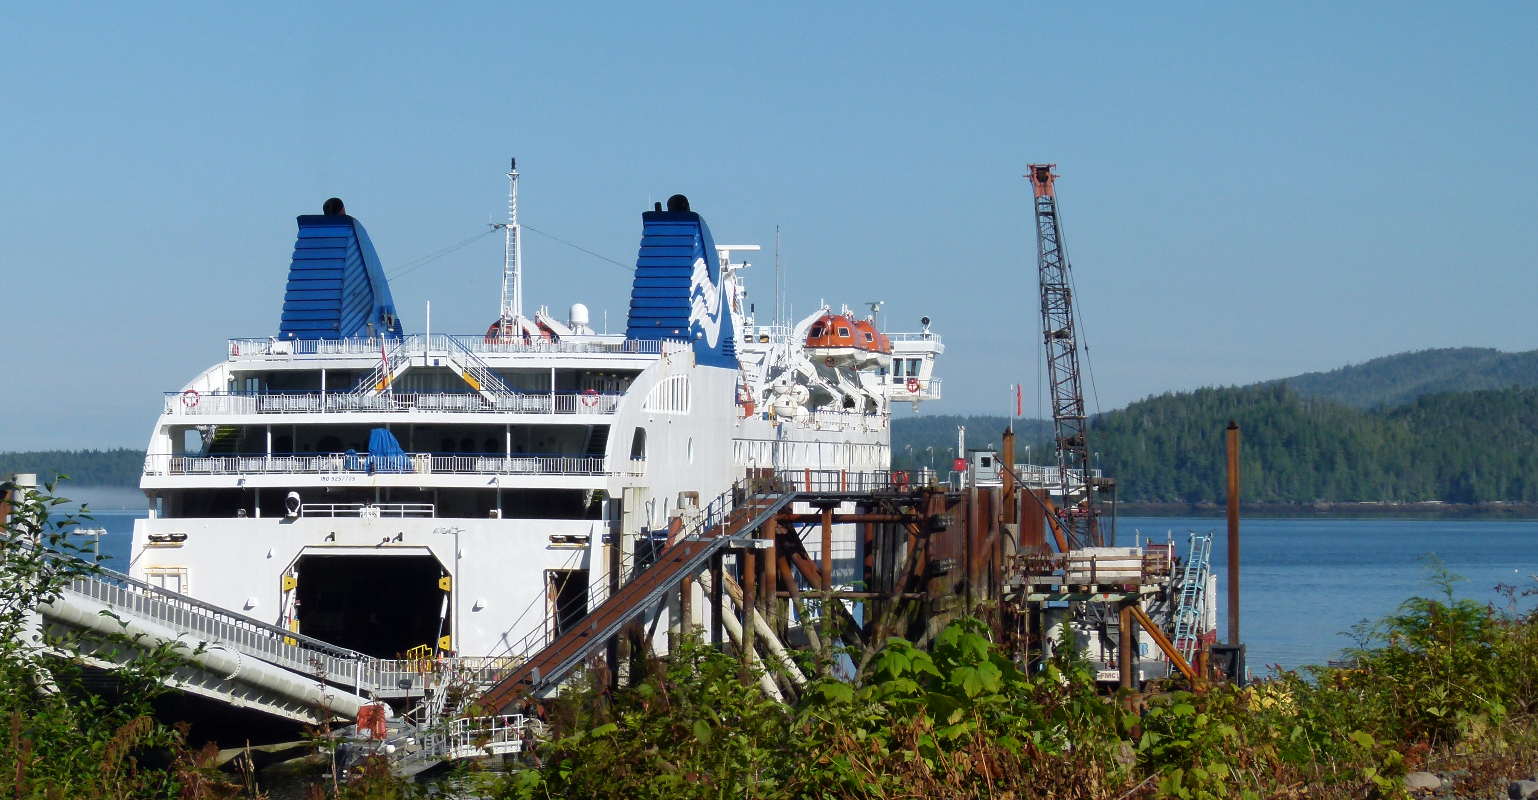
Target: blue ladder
[{"x": 1193, "y": 591}]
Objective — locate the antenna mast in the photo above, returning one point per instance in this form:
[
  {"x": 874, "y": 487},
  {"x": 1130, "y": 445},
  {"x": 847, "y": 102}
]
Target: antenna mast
[
  {"x": 1069, "y": 421},
  {"x": 512, "y": 265}
]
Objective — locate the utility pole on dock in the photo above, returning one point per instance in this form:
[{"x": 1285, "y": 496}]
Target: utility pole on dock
[{"x": 1233, "y": 532}]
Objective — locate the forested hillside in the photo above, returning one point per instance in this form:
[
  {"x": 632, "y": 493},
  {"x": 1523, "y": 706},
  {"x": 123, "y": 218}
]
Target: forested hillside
[
  {"x": 1398, "y": 379},
  {"x": 120, "y": 467},
  {"x": 1463, "y": 447}
]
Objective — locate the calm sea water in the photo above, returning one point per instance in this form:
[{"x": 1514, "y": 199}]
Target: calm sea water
[{"x": 1305, "y": 582}]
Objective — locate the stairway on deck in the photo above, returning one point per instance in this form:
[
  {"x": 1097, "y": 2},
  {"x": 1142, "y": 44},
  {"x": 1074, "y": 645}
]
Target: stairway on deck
[{"x": 544, "y": 667}]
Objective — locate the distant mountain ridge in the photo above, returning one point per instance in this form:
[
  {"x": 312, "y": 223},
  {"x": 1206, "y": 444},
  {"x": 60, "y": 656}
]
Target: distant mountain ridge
[{"x": 1394, "y": 380}]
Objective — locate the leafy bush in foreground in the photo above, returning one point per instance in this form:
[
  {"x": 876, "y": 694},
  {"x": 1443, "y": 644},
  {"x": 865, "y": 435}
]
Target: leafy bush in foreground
[{"x": 1441, "y": 679}]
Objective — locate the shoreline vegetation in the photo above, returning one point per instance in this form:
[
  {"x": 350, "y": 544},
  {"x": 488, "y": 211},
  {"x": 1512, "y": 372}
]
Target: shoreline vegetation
[
  {"x": 1441, "y": 694},
  {"x": 1365, "y": 510}
]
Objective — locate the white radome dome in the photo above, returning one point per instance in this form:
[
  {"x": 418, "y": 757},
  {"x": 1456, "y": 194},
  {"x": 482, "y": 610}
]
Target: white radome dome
[{"x": 578, "y": 315}]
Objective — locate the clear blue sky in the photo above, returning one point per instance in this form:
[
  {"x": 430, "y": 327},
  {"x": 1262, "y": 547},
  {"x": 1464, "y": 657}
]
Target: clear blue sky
[{"x": 1248, "y": 192}]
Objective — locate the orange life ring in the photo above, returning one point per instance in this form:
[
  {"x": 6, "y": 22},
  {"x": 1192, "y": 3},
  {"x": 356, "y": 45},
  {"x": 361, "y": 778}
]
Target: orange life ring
[
  {"x": 190, "y": 398},
  {"x": 913, "y": 385},
  {"x": 590, "y": 398}
]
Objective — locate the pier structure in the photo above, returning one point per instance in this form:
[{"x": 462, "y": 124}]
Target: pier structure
[{"x": 810, "y": 560}]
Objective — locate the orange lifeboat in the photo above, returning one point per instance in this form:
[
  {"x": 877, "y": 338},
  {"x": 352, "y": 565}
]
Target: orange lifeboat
[
  {"x": 875, "y": 349},
  {"x": 831, "y": 341}
]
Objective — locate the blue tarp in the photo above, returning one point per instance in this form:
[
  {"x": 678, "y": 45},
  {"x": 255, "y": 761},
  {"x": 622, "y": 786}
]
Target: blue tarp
[{"x": 385, "y": 454}]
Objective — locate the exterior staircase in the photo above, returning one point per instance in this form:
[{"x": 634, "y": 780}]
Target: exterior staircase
[
  {"x": 1193, "y": 591},
  {"x": 544, "y": 659}
]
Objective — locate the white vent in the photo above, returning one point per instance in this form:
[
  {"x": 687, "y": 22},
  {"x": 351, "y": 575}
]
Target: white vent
[{"x": 670, "y": 396}]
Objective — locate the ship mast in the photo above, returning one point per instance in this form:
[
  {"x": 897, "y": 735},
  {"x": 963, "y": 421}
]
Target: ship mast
[
  {"x": 511, "y": 321},
  {"x": 1069, "y": 421}
]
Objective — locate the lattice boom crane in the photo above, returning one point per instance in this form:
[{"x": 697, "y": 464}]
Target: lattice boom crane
[{"x": 1069, "y": 421}]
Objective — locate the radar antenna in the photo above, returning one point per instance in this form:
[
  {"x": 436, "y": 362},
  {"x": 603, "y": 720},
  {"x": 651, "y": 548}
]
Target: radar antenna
[{"x": 1069, "y": 422}]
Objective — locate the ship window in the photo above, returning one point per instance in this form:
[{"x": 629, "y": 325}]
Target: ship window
[
  {"x": 897, "y": 368},
  {"x": 870, "y": 337},
  {"x": 329, "y": 444},
  {"x": 913, "y": 367},
  {"x": 843, "y": 333},
  {"x": 816, "y": 331},
  {"x": 638, "y": 444}
]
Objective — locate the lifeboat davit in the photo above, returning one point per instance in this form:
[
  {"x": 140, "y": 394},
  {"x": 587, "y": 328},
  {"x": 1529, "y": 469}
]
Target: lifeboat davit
[{"x": 517, "y": 330}]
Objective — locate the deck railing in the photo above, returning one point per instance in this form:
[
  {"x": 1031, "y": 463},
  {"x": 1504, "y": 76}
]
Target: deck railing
[
  {"x": 367, "y": 510},
  {"x": 228, "y": 403},
  {"x": 358, "y": 464},
  {"x": 205, "y": 622},
  {"x": 914, "y": 337},
  {"x": 929, "y": 388},
  {"x": 419, "y": 343}
]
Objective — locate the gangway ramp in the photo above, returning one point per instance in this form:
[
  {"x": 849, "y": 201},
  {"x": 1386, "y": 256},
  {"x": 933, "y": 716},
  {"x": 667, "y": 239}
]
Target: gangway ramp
[
  {"x": 543, "y": 660},
  {"x": 230, "y": 658}
]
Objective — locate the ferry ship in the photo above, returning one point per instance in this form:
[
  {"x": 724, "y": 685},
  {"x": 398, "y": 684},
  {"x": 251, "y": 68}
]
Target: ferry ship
[{"x": 393, "y": 492}]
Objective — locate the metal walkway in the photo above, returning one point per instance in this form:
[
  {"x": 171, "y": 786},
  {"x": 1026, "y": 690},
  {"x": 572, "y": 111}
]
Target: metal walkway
[
  {"x": 230, "y": 657},
  {"x": 544, "y": 660}
]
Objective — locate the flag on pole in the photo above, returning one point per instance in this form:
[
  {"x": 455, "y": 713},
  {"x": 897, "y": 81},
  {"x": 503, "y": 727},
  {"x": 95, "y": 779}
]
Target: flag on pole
[
  {"x": 384, "y": 358},
  {"x": 1019, "y": 409}
]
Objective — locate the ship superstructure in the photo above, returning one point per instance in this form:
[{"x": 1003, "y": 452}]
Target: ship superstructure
[{"x": 388, "y": 491}]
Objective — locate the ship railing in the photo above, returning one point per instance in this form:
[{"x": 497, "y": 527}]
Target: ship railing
[
  {"x": 237, "y": 403},
  {"x": 847, "y": 420},
  {"x": 914, "y": 337},
  {"x": 1036, "y": 476},
  {"x": 840, "y": 480},
  {"x": 929, "y": 388},
  {"x": 420, "y": 343},
  {"x": 472, "y": 737},
  {"x": 368, "y": 510},
  {"x": 406, "y": 677},
  {"x": 360, "y": 463},
  {"x": 218, "y": 627}
]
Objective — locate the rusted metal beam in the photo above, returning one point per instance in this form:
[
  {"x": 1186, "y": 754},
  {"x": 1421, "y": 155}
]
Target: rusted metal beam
[
  {"x": 827, "y": 572},
  {"x": 859, "y": 595},
  {"x": 1163, "y": 642},
  {"x": 1233, "y": 532},
  {"x": 749, "y": 591},
  {"x": 843, "y": 518},
  {"x": 1126, "y": 648}
]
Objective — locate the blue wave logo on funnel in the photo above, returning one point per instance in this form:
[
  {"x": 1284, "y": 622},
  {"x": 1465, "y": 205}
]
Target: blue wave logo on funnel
[{"x": 678, "y": 293}]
